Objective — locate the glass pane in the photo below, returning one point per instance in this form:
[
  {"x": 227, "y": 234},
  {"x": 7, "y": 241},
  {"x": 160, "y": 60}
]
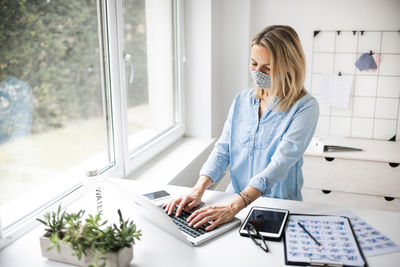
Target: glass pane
[
  {"x": 148, "y": 34},
  {"x": 52, "y": 116}
]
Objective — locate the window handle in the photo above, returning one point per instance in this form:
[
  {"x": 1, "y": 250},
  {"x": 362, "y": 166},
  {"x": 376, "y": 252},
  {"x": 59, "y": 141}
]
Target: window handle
[
  {"x": 91, "y": 173},
  {"x": 128, "y": 58}
]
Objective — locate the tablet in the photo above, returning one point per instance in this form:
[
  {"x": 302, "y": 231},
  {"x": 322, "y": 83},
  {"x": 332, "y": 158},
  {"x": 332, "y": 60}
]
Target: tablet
[{"x": 269, "y": 222}]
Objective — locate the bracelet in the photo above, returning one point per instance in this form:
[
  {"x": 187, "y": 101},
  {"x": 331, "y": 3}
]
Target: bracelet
[
  {"x": 245, "y": 204},
  {"x": 248, "y": 197}
]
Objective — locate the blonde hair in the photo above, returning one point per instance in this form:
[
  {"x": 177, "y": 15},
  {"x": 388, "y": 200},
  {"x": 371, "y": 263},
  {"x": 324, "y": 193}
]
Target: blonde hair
[{"x": 288, "y": 65}]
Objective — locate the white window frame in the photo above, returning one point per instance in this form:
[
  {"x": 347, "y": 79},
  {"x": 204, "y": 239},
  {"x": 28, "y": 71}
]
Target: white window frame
[
  {"x": 124, "y": 163},
  {"x": 130, "y": 162}
]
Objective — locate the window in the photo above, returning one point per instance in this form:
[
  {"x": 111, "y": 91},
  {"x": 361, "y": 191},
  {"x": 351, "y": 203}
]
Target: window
[
  {"x": 76, "y": 95},
  {"x": 52, "y": 100},
  {"x": 150, "y": 50}
]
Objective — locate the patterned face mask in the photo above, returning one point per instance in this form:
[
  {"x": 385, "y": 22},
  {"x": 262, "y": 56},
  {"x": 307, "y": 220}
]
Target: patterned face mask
[{"x": 262, "y": 80}]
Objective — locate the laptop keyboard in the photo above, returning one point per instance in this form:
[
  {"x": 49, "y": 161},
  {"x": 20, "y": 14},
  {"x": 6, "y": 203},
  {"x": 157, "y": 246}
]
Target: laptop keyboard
[{"x": 184, "y": 226}]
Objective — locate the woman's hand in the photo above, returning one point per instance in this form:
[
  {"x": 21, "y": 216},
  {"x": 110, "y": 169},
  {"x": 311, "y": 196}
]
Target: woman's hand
[
  {"x": 217, "y": 215},
  {"x": 190, "y": 200},
  {"x": 186, "y": 203}
]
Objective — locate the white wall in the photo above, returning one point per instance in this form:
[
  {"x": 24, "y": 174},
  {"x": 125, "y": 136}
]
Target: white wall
[
  {"x": 308, "y": 15},
  {"x": 216, "y": 68},
  {"x": 230, "y": 52},
  {"x": 197, "y": 69}
]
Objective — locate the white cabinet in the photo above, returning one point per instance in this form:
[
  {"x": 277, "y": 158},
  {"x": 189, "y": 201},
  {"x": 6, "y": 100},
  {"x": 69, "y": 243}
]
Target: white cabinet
[{"x": 368, "y": 178}]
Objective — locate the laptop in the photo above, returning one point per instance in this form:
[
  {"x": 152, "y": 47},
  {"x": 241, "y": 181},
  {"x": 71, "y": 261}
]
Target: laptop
[{"x": 176, "y": 226}]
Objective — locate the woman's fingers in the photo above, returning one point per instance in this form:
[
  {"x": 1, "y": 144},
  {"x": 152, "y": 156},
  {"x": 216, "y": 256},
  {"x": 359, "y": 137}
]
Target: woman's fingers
[
  {"x": 186, "y": 203},
  {"x": 194, "y": 214},
  {"x": 205, "y": 220},
  {"x": 191, "y": 205},
  {"x": 171, "y": 205},
  {"x": 182, "y": 204},
  {"x": 215, "y": 215},
  {"x": 166, "y": 205},
  {"x": 199, "y": 215},
  {"x": 214, "y": 225}
]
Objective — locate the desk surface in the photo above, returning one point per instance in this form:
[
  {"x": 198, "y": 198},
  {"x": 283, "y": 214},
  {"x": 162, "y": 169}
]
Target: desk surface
[{"x": 158, "y": 248}]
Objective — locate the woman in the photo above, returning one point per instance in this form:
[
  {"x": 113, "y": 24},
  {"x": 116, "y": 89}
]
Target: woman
[{"x": 265, "y": 135}]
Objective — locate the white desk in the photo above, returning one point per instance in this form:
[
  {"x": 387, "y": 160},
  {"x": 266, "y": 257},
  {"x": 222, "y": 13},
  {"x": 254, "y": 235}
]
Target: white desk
[
  {"x": 158, "y": 248},
  {"x": 363, "y": 178}
]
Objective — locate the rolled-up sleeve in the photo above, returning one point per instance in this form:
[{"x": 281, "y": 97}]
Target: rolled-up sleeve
[
  {"x": 290, "y": 149},
  {"x": 219, "y": 158}
]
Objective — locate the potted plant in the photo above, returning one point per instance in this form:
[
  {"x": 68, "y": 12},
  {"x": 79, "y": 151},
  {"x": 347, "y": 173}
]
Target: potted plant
[{"x": 90, "y": 243}]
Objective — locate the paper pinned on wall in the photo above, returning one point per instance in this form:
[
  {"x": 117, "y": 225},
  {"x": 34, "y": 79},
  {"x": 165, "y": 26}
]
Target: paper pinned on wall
[{"x": 335, "y": 90}]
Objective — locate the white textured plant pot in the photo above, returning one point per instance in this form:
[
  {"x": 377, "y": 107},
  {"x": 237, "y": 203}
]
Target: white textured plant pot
[
  {"x": 65, "y": 255},
  {"x": 121, "y": 258}
]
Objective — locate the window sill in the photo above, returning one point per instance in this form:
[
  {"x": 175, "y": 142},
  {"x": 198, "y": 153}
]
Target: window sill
[{"x": 178, "y": 165}]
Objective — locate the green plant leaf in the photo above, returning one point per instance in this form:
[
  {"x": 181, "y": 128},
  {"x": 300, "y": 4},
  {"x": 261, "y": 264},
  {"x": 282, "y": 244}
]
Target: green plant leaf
[{"x": 92, "y": 236}]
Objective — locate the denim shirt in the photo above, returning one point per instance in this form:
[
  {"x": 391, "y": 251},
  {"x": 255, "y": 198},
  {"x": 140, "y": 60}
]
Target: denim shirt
[{"x": 267, "y": 152}]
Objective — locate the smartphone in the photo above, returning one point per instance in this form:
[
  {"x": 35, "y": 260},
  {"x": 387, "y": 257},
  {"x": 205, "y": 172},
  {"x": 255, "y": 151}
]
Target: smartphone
[{"x": 156, "y": 195}]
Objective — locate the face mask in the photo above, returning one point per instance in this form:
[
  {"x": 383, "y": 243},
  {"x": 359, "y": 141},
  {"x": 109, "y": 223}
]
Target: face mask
[{"x": 262, "y": 80}]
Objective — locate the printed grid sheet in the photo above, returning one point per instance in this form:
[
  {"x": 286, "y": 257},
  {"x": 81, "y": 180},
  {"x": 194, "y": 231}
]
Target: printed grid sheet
[
  {"x": 372, "y": 241},
  {"x": 333, "y": 232}
]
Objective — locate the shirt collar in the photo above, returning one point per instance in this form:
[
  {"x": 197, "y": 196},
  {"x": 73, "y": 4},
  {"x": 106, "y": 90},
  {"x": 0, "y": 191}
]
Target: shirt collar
[{"x": 256, "y": 101}]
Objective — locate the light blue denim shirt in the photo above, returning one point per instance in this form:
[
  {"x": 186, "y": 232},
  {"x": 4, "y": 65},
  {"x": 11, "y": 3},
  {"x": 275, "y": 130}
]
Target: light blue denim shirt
[{"x": 267, "y": 152}]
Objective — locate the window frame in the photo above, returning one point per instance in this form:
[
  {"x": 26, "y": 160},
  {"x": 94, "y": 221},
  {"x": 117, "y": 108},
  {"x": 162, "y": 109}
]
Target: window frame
[
  {"x": 133, "y": 161},
  {"x": 121, "y": 163}
]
